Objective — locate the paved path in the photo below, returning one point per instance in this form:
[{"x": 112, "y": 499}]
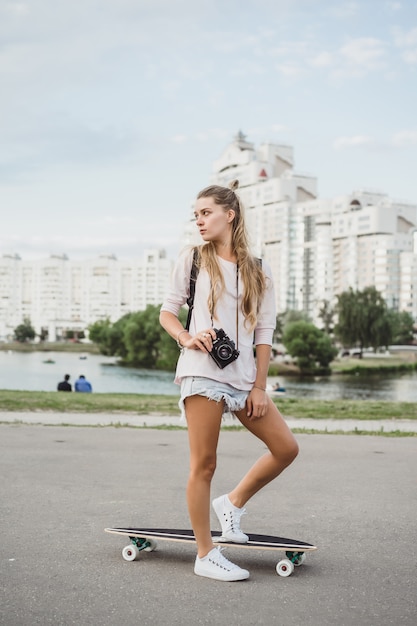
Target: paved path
[
  {"x": 107, "y": 419},
  {"x": 355, "y": 497}
]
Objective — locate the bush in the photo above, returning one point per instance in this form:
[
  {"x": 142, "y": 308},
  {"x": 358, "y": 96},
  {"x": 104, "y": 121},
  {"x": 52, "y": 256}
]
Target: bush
[{"x": 310, "y": 346}]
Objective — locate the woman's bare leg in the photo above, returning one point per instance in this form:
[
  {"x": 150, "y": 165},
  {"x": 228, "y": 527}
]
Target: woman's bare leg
[
  {"x": 283, "y": 448},
  {"x": 203, "y": 420}
]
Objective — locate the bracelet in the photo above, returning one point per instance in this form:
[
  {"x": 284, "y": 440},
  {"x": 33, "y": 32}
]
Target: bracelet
[
  {"x": 261, "y": 388},
  {"x": 178, "y": 338}
]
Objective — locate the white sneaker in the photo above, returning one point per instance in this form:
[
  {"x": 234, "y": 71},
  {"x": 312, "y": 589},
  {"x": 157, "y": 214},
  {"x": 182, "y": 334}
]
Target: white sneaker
[
  {"x": 216, "y": 566},
  {"x": 229, "y": 518}
]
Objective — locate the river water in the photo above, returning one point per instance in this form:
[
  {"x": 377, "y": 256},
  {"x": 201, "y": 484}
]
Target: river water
[{"x": 30, "y": 371}]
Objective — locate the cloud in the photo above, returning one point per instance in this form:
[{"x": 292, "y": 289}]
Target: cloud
[
  {"x": 363, "y": 54},
  {"x": 179, "y": 138},
  {"x": 322, "y": 59},
  {"x": 405, "y": 138},
  {"x": 41, "y": 141},
  {"x": 406, "y": 41},
  {"x": 345, "y": 10},
  {"x": 354, "y": 59},
  {"x": 47, "y": 44},
  {"x": 355, "y": 141},
  {"x": 202, "y": 135},
  {"x": 410, "y": 57},
  {"x": 244, "y": 67},
  {"x": 394, "y": 6},
  {"x": 279, "y": 128},
  {"x": 400, "y": 139},
  {"x": 16, "y": 8},
  {"x": 290, "y": 69},
  {"x": 122, "y": 244}
]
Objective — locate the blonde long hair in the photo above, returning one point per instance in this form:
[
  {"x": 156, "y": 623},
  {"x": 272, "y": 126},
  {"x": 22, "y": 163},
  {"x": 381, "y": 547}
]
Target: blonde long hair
[{"x": 251, "y": 274}]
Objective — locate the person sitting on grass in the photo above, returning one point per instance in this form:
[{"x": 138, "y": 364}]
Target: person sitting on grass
[
  {"x": 64, "y": 385},
  {"x": 83, "y": 385}
]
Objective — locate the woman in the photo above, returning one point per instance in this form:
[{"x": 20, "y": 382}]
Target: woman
[{"x": 233, "y": 292}]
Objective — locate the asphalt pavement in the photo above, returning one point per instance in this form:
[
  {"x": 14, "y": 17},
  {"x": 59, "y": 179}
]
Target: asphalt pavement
[{"x": 353, "y": 496}]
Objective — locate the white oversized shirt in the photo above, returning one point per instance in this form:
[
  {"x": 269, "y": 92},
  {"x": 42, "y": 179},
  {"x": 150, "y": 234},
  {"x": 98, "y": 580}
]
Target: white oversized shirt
[{"x": 241, "y": 373}]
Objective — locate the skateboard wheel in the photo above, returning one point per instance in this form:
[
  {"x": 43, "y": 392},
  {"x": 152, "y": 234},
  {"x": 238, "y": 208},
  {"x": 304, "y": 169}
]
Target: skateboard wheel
[
  {"x": 285, "y": 568},
  {"x": 152, "y": 545},
  {"x": 130, "y": 553}
]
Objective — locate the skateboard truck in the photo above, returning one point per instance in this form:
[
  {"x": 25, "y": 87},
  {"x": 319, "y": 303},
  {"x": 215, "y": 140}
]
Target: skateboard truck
[{"x": 138, "y": 544}]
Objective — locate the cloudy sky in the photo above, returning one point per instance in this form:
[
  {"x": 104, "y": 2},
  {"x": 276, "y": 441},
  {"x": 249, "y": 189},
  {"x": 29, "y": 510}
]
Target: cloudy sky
[{"x": 112, "y": 111}]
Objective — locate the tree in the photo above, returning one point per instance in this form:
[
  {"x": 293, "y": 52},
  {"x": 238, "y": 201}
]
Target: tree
[
  {"x": 402, "y": 325},
  {"x": 147, "y": 343},
  {"x": 138, "y": 339},
  {"x": 141, "y": 336},
  {"x": 326, "y": 314},
  {"x": 311, "y": 347},
  {"x": 25, "y": 331},
  {"x": 110, "y": 337},
  {"x": 283, "y": 319},
  {"x": 167, "y": 347},
  {"x": 44, "y": 334},
  {"x": 347, "y": 328},
  {"x": 363, "y": 319},
  {"x": 96, "y": 331}
]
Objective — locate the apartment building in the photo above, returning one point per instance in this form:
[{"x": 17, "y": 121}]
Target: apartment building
[
  {"x": 59, "y": 294},
  {"x": 319, "y": 247},
  {"x": 360, "y": 240}
]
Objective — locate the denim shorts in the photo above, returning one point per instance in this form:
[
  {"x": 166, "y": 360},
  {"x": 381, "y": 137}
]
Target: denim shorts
[{"x": 233, "y": 399}]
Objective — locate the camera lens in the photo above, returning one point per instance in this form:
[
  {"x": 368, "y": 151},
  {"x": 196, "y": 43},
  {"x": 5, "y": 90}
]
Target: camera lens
[{"x": 224, "y": 352}]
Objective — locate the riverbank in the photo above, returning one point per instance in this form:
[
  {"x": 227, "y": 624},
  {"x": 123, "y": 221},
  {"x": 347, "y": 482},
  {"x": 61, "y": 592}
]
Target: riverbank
[
  {"x": 398, "y": 361},
  {"x": 46, "y": 346},
  {"x": 165, "y": 405},
  {"x": 375, "y": 363}
]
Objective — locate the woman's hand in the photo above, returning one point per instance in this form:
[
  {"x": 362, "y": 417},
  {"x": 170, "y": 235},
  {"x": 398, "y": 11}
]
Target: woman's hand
[
  {"x": 257, "y": 403},
  {"x": 203, "y": 341}
]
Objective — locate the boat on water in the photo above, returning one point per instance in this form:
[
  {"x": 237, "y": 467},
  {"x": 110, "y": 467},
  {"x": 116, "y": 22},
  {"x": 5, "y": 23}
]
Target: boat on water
[{"x": 276, "y": 390}]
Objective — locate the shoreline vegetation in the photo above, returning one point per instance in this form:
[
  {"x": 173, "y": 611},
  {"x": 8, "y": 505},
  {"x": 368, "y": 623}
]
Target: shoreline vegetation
[
  {"x": 401, "y": 361},
  {"x": 157, "y": 405},
  {"x": 46, "y": 346}
]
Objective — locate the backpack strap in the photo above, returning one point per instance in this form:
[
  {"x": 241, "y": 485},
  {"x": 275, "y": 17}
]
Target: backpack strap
[{"x": 193, "y": 279}]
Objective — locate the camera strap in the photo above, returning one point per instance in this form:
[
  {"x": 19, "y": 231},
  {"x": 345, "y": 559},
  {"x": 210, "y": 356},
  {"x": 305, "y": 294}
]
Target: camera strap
[
  {"x": 237, "y": 307},
  {"x": 193, "y": 280},
  {"x": 190, "y": 299}
]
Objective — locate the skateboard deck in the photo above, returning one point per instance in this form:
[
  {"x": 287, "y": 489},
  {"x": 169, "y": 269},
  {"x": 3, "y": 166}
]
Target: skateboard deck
[{"x": 144, "y": 539}]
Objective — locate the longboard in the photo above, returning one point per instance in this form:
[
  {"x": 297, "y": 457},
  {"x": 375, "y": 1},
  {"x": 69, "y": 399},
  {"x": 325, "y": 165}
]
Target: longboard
[{"x": 144, "y": 539}]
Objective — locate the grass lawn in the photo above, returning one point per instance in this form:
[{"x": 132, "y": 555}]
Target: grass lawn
[
  {"x": 141, "y": 404},
  {"x": 397, "y": 363}
]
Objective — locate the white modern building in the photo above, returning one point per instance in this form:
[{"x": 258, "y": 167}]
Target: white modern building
[
  {"x": 318, "y": 248},
  {"x": 59, "y": 294}
]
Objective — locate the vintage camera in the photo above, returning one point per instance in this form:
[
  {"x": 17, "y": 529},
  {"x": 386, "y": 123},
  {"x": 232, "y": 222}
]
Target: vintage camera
[{"x": 224, "y": 350}]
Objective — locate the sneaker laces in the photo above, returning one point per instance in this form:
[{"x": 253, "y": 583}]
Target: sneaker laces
[
  {"x": 235, "y": 516},
  {"x": 222, "y": 561}
]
